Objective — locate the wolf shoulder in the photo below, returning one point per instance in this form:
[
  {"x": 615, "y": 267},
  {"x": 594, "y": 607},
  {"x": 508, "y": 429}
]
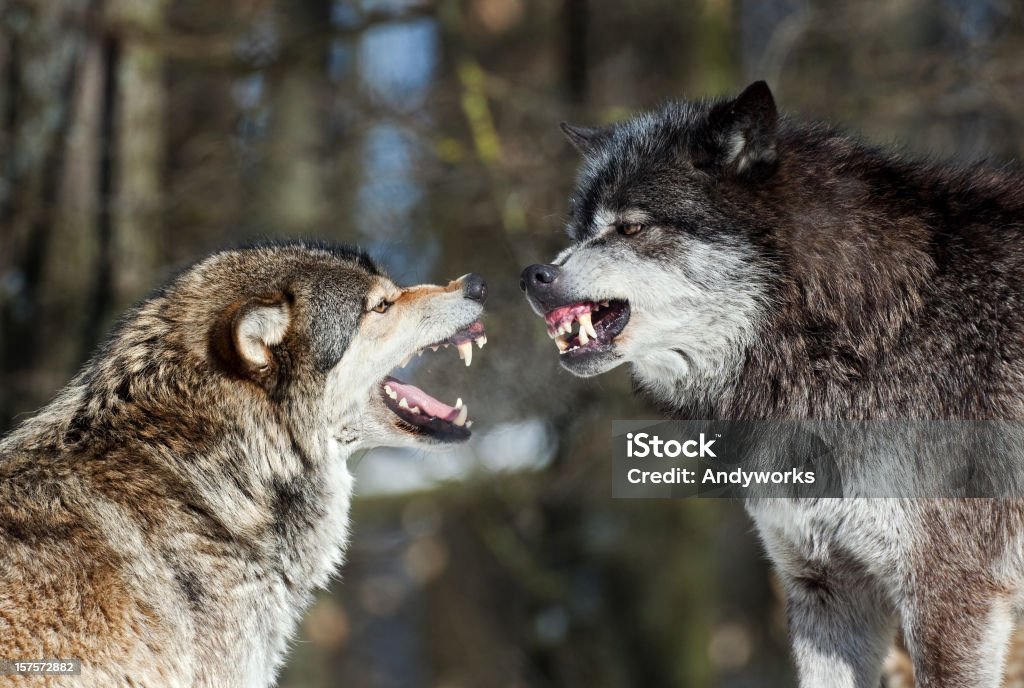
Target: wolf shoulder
[{"x": 79, "y": 577}]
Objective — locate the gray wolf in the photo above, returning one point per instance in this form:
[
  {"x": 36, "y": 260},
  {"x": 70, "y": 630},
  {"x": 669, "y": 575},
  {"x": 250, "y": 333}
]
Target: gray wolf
[
  {"x": 748, "y": 265},
  {"x": 167, "y": 517}
]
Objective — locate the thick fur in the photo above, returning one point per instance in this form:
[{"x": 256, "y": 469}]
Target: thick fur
[
  {"x": 168, "y": 516},
  {"x": 785, "y": 270}
]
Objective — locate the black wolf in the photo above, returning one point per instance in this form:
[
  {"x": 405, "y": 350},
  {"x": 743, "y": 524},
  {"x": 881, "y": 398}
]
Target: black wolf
[{"x": 752, "y": 266}]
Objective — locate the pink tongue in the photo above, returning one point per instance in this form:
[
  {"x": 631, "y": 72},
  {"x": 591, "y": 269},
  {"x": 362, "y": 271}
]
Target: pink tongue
[{"x": 414, "y": 396}]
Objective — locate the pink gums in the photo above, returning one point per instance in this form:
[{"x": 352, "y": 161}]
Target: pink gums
[
  {"x": 468, "y": 334},
  {"x": 564, "y": 314}
]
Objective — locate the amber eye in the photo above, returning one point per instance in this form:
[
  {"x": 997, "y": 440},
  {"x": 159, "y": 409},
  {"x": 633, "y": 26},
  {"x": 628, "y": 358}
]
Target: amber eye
[
  {"x": 382, "y": 307},
  {"x": 631, "y": 229}
]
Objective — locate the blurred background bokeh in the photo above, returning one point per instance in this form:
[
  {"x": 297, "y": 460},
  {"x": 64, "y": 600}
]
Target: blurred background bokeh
[{"x": 137, "y": 135}]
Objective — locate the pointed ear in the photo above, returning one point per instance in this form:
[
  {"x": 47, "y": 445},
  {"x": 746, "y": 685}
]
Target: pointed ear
[
  {"x": 585, "y": 139},
  {"x": 244, "y": 335},
  {"x": 742, "y": 133}
]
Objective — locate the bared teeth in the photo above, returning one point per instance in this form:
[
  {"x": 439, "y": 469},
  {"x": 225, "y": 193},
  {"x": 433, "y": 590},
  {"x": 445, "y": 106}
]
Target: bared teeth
[
  {"x": 415, "y": 409},
  {"x": 586, "y": 324},
  {"x": 466, "y": 352},
  {"x": 458, "y": 403},
  {"x": 433, "y": 348},
  {"x": 403, "y": 403},
  {"x": 460, "y": 419},
  {"x": 481, "y": 341},
  {"x": 561, "y": 343},
  {"x": 390, "y": 392}
]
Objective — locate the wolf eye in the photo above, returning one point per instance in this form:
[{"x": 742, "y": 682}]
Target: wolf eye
[
  {"x": 382, "y": 306},
  {"x": 631, "y": 228}
]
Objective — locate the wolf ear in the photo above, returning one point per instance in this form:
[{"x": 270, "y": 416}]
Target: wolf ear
[
  {"x": 246, "y": 331},
  {"x": 742, "y": 133},
  {"x": 585, "y": 139}
]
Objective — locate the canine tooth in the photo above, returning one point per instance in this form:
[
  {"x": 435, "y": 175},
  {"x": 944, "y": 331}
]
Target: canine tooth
[
  {"x": 469, "y": 424},
  {"x": 561, "y": 343},
  {"x": 583, "y": 336},
  {"x": 463, "y": 415},
  {"x": 586, "y": 324},
  {"x": 433, "y": 348},
  {"x": 481, "y": 341},
  {"x": 466, "y": 352},
  {"x": 403, "y": 403},
  {"x": 458, "y": 403}
]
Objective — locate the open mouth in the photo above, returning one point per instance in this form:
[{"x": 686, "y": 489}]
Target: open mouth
[
  {"x": 425, "y": 414},
  {"x": 588, "y": 326}
]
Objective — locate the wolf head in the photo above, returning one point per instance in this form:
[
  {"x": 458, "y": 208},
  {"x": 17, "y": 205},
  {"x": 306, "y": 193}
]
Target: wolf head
[
  {"x": 663, "y": 271},
  {"x": 296, "y": 336},
  {"x": 331, "y": 315}
]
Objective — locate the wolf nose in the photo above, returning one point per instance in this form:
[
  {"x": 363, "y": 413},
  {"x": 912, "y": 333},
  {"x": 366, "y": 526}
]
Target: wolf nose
[
  {"x": 474, "y": 287},
  {"x": 538, "y": 275}
]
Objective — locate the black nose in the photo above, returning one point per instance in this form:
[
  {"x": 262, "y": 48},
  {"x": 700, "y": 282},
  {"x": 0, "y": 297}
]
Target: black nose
[
  {"x": 474, "y": 287},
  {"x": 538, "y": 276}
]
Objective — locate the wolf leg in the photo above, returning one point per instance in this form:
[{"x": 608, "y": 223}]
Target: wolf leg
[
  {"x": 840, "y": 633},
  {"x": 958, "y": 640}
]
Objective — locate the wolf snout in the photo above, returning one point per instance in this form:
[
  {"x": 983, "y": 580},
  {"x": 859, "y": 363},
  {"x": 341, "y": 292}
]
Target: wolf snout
[
  {"x": 538, "y": 277},
  {"x": 474, "y": 287}
]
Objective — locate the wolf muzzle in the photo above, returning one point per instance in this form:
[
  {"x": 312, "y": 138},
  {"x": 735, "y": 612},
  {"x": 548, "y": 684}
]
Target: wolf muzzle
[
  {"x": 474, "y": 287},
  {"x": 539, "y": 282}
]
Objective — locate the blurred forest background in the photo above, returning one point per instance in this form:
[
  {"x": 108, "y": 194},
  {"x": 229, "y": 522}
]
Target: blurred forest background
[{"x": 137, "y": 135}]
